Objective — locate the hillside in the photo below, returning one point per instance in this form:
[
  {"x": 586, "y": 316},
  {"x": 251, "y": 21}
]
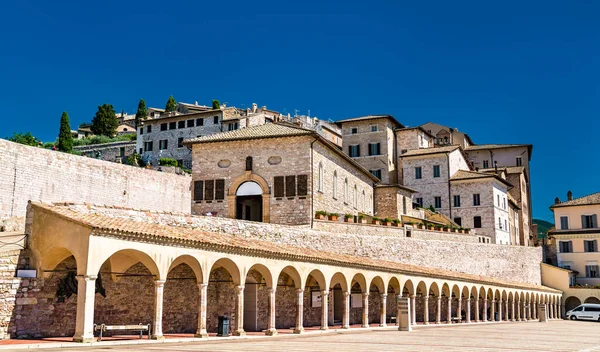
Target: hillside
[{"x": 543, "y": 226}]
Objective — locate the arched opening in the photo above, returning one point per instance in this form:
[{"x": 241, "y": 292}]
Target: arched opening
[
  {"x": 248, "y": 202},
  {"x": 594, "y": 300},
  {"x": 422, "y": 303},
  {"x": 435, "y": 303},
  {"x": 258, "y": 281},
  {"x": 222, "y": 292},
  {"x": 338, "y": 286},
  {"x": 376, "y": 291},
  {"x": 286, "y": 298},
  {"x": 181, "y": 300},
  {"x": 314, "y": 299}
]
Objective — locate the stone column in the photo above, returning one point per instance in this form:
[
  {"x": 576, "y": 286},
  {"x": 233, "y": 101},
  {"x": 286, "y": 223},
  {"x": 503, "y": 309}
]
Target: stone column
[
  {"x": 534, "y": 310},
  {"x": 159, "y": 287},
  {"x": 203, "y": 291},
  {"x": 365, "y": 310},
  {"x": 299, "y": 329},
  {"x": 485, "y": 306},
  {"x": 239, "y": 312},
  {"x": 346, "y": 312},
  {"x": 399, "y": 298},
  {"x": 506, "y": 308},
  {"x": 383, "y": 310},
  {"x": 518, "y": 310},
  {"x": 426, "y": 309},
  {"x": 476, "y": 310},
  {"x": 493, "y": 310},
  {"x": 524, "y": 308},
  {"x": 271, "y": 330},
  {"x": 449, "y": 311},
  {"x": 84, "y": 319},
  {"x": 556, "y": 311},
  {"x": 459, "y": 309},
  {"x": 438, "y": 310},
  {"x": 468, "y": 310},
  {"x": 324, "y": 309},
  {"x": 413, "y": 309},
  {"x": 560, "y": 311},
  {"x": 512, "y": 310},
  {"x": 499, "y": 310}
]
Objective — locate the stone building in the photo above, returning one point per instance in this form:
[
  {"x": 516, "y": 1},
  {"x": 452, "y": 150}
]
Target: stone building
[
  {"x": 115, "y": 152},
  {"x": 447, "y": 135}
]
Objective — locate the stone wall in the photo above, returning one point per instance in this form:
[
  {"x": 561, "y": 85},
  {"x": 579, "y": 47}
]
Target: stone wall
[
  {"x": 116, "y": 151},
  {"x": 30, "y": 173}
]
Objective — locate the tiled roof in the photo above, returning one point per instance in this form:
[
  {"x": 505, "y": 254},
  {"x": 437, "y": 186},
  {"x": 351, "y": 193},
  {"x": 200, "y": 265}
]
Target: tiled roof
[
  {"x": 268, "y": 130},
  {"x": 370, "y": 117},
  {"x": 426, "y": 151},
  {"x": 141, "y": 223},
  {"x": 515, "y": 169},
  {"x": 591, "y": 199},
  {"x": 499, "y": 146},
  {"x": 473, "y": 175},
  {"x": 415, "y": 128}
]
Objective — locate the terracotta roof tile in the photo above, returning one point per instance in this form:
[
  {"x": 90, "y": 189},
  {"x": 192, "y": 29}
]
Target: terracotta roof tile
[
  {"x": 590, "y": 199},
  {"x": 268, "y": 130},
  {"x": 426, "y": 151}
]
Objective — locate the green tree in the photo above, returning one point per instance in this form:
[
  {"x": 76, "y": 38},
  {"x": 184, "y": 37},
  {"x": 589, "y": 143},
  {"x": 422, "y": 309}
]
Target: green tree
[
  {"x": 142, "y": 112},
  {"x": 216, "y": 105},
  {"x": 25, "y": 138},
  {"x": 171, "y": 104},
  {"x": 65, "y": 138},
  {"x": 105, "y": 122}
]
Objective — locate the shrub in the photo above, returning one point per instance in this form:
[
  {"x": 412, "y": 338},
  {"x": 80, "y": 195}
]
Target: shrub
[
  {"x": 361, "y": 217},
  {"x": 333, "y": 214},
  {"x": 396, "y": 221},
  {"x": 376, "y": 218},
  {"x": 321, "y": 212},
  {"x": 387, "y": 220},
  {"x": 168, "y": 162},
  {"x": 348, "y": 216}
]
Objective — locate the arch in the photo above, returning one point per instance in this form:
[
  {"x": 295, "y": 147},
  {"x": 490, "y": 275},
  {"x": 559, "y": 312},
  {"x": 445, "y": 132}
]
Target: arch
[
  {"x": 231, "y": 268},
  {"x": 394, "y": 284},
  {"x": 319, "y": 278},
  {"x": 57, "y": 255},
  {"x": 504, "y": 295},
  {"x": 248, "y": 176},
  {"x": 592, "y": 299},
  {"x": 249, "y": 188},
  {"x": 361, "y": 281},
  {"x": 455, "y": 291},
  {"x": 335, "y": 186},
  {"x": 474, "y": 293},
  {"x": 124, "y": 259},
  {"x": 572, "y": 302},
  {"x": 293, "y": 273},
  {"x": 408, "y": 288},
  {"x": 355, "y": 200},
  {"x": 422, "y": 289},
  {"x": 434, "y": 289},
  {"x": 339, "y": 278},
  {"x": 320, "y": 177},
  {"x": 490, "y": 294},
  {"x": 378, "y": 282},
  {"x": 497, "y": 295},
  {"x": 465, "y": 292},
  {"x": 190, "y": 261},
  {"x": 264, "y": 272}
]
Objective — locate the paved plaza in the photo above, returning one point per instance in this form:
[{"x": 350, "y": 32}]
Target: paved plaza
[{"x": 526, "y": 336}]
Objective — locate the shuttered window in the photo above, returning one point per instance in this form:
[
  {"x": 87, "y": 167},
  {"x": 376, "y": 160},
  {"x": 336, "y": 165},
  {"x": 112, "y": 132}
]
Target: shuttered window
[
  {"x": 210, "y": 190},
  {"x": 290, "y": 186},
  {"x": 220, "y": 189},
  {"x": 279, "y": 188},
  {"x": 302, "y": 185},
  {"x": 198, "y": 190}
]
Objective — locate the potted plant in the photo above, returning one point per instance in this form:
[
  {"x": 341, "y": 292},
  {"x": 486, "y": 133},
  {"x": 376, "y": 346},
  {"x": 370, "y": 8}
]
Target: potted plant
[
  {"x": 396, "y": 222},
  {"x": 387, "y": 222},
  {"x": 348, "y": 218},
  {"x": 446, "y": 228},
  {"x": 376, "y": 221},
  {"x": 466, "y": 229},
  {"x": 333, "y": 216},
  {"x": 320, "y": 215},
  {"x": 430, "y": 226},
  {"x": 453, "y": 229},
  {"x": 420, "y": 225},
  {"x": 361, "y": 219},
  {"x": 460, "y": 230},
  {"x": 438, "y": 227}
]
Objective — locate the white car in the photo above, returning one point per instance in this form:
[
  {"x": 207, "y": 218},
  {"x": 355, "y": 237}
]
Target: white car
[{"x": 586, "y": 311}]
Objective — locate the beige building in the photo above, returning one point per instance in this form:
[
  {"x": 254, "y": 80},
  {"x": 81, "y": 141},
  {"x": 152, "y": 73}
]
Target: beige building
[{"x": 447, "y": 135}]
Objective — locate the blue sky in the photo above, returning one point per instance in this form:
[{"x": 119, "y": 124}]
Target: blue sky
[{"x": 504, "y": 72}]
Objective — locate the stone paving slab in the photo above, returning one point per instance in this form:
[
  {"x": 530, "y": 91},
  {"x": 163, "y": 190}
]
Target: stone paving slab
[{"x": 524, "y": 336}]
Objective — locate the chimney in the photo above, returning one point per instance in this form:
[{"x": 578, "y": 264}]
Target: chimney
[
  {"x": 569, "y": 195},
  {"x": 264, "y": 107},
  {"x": 254, "y": 106},
  {"x": 496, "y": 166},
  {"x": 556, "y": 200}
]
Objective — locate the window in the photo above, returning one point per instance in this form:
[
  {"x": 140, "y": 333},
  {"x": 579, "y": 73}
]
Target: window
[
  {"x": 335, "y": 185},
  {"x": 163, "y": 126},
  {"x": 198, "y": 190},
  {"x": 200, "y": 122},
  {"x": 456, "y": 201},
  {"x": 209, "y": 190},
  {"x": 419, "y": 201},
  {"x": 141, "y": 130},
  {"x": 505, "y": 225},
  {"x": 346, "y": 195},
  {"x": 486, "y": 164},
  {"x": 354, "y": 151},
  {"x": 215, "y": 120},
  {"x": 279, "y": 186},
  {"x": 220, "y": 189},
  {"x": 180, "y": 142},
  {"x": 149, "y": 129},
  {"x": 500, "y": 223},
  {"x": 504, "y": 203},
  {"x": 354, "y": 130},
  {"x": 148, "y": 146},
  {"x": 564, "y": 222},
  {"x": 233, "y": 126},
  {"x": 374, "y": 128},
  {"x": 589, "y": 221},
  {"x": 498, "y": 196},
  {"x": 476, "y": 199},
  {"x": 190, "y": 123},
  {"x": 477, "y": 222},
  {"x": 565, "y": 246},
  {"x": 320, "y": 178},
  {"x": 172, "y": 125},
  {"x": 376, "y": 173},
  {"x": 436, "y": 171},
  {"x": 374, "y": 148},
  {"x": 590, "y": 245},
  {"x": 403, "y": 205},
  {"x": 290, "y": 186},
  {"x": 519, "y": 161},
  {"x": 355, "y": 197},
  {"x": 163, "y": 144},
  {"x": 591, "y": 271},
  {"x": 302, "y": 185},
  {"x": 458, "y": 221},
  {"x": 122, "y": 152},
  {"x": 437, "y": 202},
  {"x": 181, "y": 124},
  {"x": 418, "y": 173},
  {"x": 141, "y": 151}
]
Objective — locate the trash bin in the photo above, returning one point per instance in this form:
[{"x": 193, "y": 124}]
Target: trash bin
[
  {"x": 496, "y": 316},
  {"x": 223, "y": 329}
]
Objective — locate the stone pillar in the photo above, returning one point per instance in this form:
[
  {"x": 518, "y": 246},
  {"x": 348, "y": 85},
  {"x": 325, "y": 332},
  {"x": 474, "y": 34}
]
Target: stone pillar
[
  {"x": 512, "y": 310},
  {"x": 524, "y": 309},
  {"x": 459, "y": 309},
  {"x": 404, "y": 311},
  {"x": 468, "y": 310},
  {"x": 560, "y": 310},
  {"x": 413, "y": 309},
  {"x": 84, "y": 319},
  {"x": 556, "y": 311},
  {"x": 365, "y": 310},
  {"x": 493, "y": 310},
  {"x": 159, "y": 288},
  {"x": 449, "y": 311},
  {"x": 499, "y": 310},
  {"x": 426, "y": 309},
  {"x": 346, "y": 311},
  {"x": 239, "y": 312},
  {"x": 203, "y": 291},
  {"x": 476, "y": 310},
  {"x": 506, "y": 308},
  {"x": 518, "y": 310},
  {"x": 383, "y": 310},
  {"x": 271, "y": 330},
  {"x": 299, "y": 329},
  {"x": 324, "y": 309},
  {"x": 438, "y": 310},
  {"x": 485, "y": 306}
]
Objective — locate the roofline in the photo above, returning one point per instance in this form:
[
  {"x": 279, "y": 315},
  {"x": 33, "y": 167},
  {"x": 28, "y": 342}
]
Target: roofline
[
  {"x": 500, "y": 146},
  {"x": 396, "y": 186},
  {"x": 414, "y": 128},
  {"x": 556, "y": 267},
  {"x": 161, "y": 118},
  {"x": 498, "y": 178},
  {"x": 369, "y": 117},
  {"x": 336, "y": 149},
  {"x": 562, "y": 205},
  {"x": 434, "y": 151}
]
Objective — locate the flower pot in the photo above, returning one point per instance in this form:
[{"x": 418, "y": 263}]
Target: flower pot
[
  {"x": 420, "y": 226},
  {"x": 445, "y": 229},
  {"x": 349, "y": 220},
  {"x": 320, "y": 217},
  {"x": 362, "y": 221},
  {"x": 376, "y": 222},
  {"x": 397, "y": 224},
  {"x": 333, "y": 217},
  {"x": 461, "y": 231},
  {"x": 430, "y": 228},
  {"x": 387, "y": 223}
]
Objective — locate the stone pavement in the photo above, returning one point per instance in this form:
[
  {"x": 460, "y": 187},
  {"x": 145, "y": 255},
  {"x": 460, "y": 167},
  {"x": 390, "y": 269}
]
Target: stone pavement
[{"x": 524, "y": 336}]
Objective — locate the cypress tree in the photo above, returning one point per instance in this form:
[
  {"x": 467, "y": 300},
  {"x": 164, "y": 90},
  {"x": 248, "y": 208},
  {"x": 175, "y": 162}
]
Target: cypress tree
[
  {"x": 216, "y": 105},
  {"x": 105, "y": 121},
  {"x": 171, "y": 104},
  {"x": 142, "y": 112},
  {"x": 65, "y": 138}
]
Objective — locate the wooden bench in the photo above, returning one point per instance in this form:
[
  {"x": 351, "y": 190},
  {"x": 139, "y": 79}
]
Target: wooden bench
[
  {"x": 140, "y": 327},
  {"x": 391, "y": 320},
  {"x": 456, "y": 319}
]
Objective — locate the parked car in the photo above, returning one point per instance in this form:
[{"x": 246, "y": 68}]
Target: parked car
[{"x": 586, "y": 311}]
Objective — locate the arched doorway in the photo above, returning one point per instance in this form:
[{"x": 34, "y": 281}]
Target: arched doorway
[
  {"x": 571, "y": 303},
  {"x": 594, "y": 300},
  {"x": 248, "y": 202}
]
